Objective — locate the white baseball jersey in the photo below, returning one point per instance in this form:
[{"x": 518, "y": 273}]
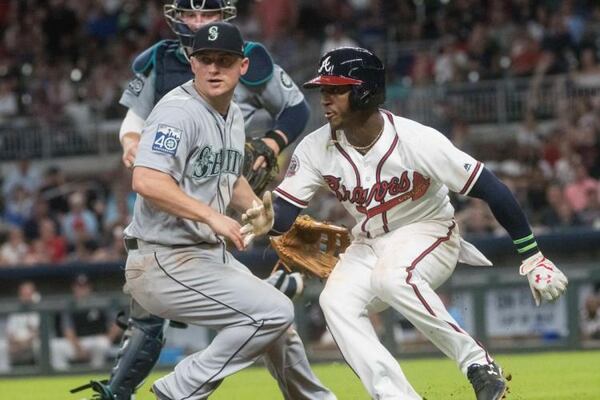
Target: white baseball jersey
[{"x": 402, "y": 179}]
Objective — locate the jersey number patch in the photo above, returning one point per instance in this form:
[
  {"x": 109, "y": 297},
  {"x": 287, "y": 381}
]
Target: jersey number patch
[{"x": 166, "y": 139}]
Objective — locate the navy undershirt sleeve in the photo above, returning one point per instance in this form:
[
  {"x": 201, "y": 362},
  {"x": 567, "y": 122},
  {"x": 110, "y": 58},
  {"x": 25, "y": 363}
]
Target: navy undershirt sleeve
[
  {"x": 285, "y": 215},
  {"x": 507, "y": 211},
  {"x": 293, "y": 120}
]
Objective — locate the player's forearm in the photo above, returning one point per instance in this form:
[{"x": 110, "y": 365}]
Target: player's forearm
[
  {"x": 507, "y": 211},
  {"x": 164, "y": 192},
  {"x": 132, "y": 125},
  {"x": 242, "y": 195},
  {"x": 292, "y": 121}
]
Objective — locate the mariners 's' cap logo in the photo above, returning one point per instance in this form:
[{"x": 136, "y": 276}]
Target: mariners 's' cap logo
[
  {"x": 213, "y": 33},
  {"x": 326, "y": 65}
]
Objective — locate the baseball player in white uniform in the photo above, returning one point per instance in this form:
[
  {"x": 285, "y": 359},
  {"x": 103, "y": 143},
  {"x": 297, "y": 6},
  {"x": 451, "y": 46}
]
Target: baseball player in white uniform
[
  {"x": 186, "y": 173},
  {"x": 393, "y": 175}
]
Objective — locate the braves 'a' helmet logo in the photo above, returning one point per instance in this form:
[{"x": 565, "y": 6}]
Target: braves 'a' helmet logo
[
  {"x": 326, "y": 65},
  {"x": 213, "y": 33}
]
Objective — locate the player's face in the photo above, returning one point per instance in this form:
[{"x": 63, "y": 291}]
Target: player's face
[
  {"x": 217, "y": 73},
  {"x": 335, "y": 100},
  {"x": 196, "y": 19}
]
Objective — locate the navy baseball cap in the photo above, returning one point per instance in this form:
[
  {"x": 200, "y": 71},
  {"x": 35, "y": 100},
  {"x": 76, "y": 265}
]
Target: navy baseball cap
[{"x": 218, "y": 36}]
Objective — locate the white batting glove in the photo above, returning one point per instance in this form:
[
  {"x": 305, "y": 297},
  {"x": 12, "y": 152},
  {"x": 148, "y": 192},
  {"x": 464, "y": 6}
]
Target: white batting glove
[
  {"x": 546, "y": 281},
  {"x": 258, "y": 219}
]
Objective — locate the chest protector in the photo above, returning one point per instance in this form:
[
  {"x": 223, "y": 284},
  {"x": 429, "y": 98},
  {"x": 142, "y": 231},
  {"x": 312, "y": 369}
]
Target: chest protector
[{"x": 171, "y": 67}]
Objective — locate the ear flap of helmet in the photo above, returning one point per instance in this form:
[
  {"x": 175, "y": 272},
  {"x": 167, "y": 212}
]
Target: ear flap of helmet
[{"x": 371, "y": 93}]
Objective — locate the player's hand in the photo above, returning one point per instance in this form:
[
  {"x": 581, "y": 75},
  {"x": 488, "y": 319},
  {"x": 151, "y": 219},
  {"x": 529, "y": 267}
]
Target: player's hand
[
  {"x": 130, "y": 143},
  {"x": 258, "y": 219},
  {"x": 546, "y": 281},
  {"x": 222, "y": 225},
  {"x": 261, "y": 162}
]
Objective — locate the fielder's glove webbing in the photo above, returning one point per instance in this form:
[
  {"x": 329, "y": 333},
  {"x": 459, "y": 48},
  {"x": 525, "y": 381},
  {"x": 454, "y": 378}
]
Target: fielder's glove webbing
[
  {"x": 260, "y": 178},
  {"x": 311, "y": 247}
]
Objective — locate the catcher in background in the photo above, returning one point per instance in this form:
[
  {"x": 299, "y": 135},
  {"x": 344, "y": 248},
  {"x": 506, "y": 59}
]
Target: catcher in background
[
  {"x": 393, "y": 175},
  {"x": 265, "y": 86}
]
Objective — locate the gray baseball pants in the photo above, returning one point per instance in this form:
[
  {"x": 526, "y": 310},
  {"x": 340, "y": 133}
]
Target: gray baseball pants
[{"x": 205, "y": 285}]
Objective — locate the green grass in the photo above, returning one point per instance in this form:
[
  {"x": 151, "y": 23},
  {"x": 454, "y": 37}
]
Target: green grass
[{"x": 560, "y": 376}]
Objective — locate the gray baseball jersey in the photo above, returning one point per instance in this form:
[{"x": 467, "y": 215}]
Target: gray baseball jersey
[
  {"x": 186, "y": 138},
  {"x": 274, "y": 96}
]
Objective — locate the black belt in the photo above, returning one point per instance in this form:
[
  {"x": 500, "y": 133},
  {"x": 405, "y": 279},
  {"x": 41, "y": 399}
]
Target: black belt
[{"x": 131, "y": 244}]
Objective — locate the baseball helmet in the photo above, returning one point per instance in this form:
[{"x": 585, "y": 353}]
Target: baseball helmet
[
  {"x": 184, "y": 33},
  {"x": 356, "y": 67}
]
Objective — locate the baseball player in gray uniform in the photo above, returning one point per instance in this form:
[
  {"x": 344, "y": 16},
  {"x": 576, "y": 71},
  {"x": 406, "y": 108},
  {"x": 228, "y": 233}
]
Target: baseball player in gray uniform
[
  {"x": 264, "y": 86},
  {"x": 186, "y": 174}
]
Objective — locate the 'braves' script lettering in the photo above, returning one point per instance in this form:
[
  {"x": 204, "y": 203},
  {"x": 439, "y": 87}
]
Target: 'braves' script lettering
[{"x": 396, "y": 186}]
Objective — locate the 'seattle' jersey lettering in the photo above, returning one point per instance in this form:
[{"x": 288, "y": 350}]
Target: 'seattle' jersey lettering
[{"x": 207, "y": 162}]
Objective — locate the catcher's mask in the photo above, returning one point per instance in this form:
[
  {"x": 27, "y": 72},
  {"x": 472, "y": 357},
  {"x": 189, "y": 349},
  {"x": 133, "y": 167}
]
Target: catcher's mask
[
  {"x": 353, "y": 66},
  {"x": 184, "y": 33}
]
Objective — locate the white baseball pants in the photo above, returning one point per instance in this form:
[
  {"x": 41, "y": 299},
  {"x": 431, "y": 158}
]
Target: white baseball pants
[{"x": 400, "y": 269}]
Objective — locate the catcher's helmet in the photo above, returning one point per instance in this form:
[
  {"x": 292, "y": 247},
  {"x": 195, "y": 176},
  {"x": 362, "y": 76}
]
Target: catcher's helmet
[
  {"x": 357, "y": 67},
  {"x": 184, "y": 33}
]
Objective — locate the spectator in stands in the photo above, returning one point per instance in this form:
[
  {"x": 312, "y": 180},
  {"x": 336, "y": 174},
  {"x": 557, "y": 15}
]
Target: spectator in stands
[
  {"x": 9, "y": 105},
  {"x": 449, "y": 62},
  {"x": 54, "y": 245},
  {"x": 590, "y": 215},
  {"x": 87, "y": 330},
  {"x": 23, "y": 327},
  {"x": 14, "y": 250},
  {"x": 39, "y": 212},
  {"x": 476, "y": 218},
  {"x": 558, "y": 214},
  {"x": 115, "y": 249},
  {"x": 576, "y": 192},
  {"x": 524, "y": 53},
  {"x": 36, "y": 254},
  {"x": 53, "y": 190},
  {"x": 589, "y": 72},
  {"x": 22, "y": 174},
  {"x": 18, "y": 206},
  {"x": 590, "y": 315},
  {"x": 79, "y": 224},
  {"x": 336, "y": 37}
]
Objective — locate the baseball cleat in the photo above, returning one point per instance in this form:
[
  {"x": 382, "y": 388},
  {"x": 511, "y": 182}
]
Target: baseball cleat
[
  {"x": 101, "y": 389},
  {"x": 291, "y": 285},
  {"x": 487, "y": 381}
]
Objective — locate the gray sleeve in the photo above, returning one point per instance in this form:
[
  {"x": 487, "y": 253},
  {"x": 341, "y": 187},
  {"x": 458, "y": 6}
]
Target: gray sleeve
[
  {"x": 169, "y": 135},
  {"x": 139, "y": 94},
  {"x": 280, "y": 92}
]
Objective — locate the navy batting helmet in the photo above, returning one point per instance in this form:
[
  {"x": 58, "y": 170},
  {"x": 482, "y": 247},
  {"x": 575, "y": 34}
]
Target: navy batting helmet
[
  {"x": 356, "y": 67},
  {"x": 184, "y": 33}
]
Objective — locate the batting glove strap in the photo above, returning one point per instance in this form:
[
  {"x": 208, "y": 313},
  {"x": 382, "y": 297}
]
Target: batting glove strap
[{"x": 546, "y": 281}]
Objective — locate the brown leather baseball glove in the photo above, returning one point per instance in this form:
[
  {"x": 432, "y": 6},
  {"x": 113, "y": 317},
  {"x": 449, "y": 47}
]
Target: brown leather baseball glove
[{"x": 311, "y": 247}]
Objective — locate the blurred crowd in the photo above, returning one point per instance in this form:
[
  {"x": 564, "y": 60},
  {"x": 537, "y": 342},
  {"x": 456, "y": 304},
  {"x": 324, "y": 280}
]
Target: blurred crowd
[
  {"x": 67, "y": 62},
  {"x": 49, "y": 219}
]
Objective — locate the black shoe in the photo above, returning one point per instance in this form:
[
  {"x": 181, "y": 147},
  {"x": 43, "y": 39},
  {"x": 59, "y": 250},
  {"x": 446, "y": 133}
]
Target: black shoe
[
  {"x": 101, "y": 389},
  {"x": 159, "y": 395},
  {"x": 487, "y": 381}
]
